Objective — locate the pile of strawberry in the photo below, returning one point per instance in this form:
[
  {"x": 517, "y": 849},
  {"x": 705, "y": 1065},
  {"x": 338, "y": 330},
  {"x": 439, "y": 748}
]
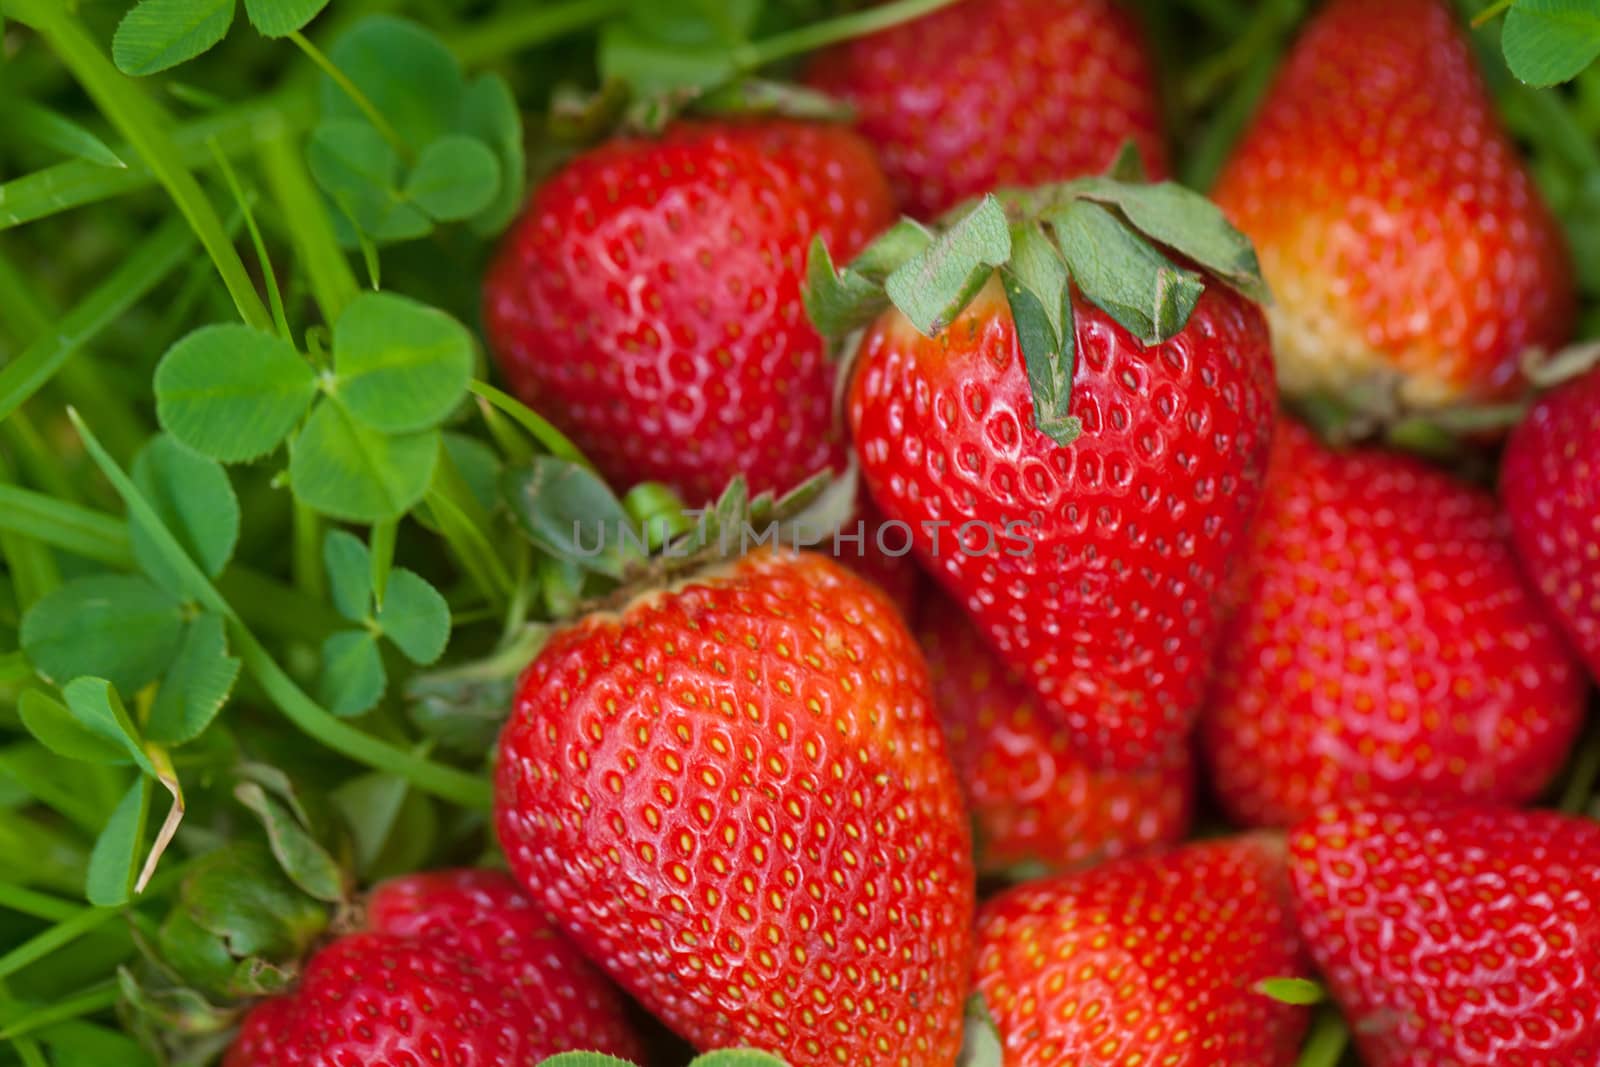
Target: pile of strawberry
[{"x": 844, "y": 809}]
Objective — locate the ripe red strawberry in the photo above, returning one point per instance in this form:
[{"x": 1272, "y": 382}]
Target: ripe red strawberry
[
  {"x": 1463, "y": 938},
  {"x": 734, "y": 796},
  {"x": 1035, "y": 803},
  {"x": 648, "y": 303},
  {"x": 1091, "y": 567},
  {"x": 1401, "y": 234},
  {"x": 1386, "y": 645},
  {"x": 1148, "y": 960},
  {"x": 456, "y": 967},
  {"x": 1550, "y": 483},
  {"x": 990, "y": 93}
]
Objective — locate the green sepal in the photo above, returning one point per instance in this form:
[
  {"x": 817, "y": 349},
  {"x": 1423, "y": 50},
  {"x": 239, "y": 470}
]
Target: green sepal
[
  {"x": 1039, "y": 291},
  {"x": 239, "y": 927},
  {"x": 160, "y": 1011},
  {"x": 1187, "y": 223},
  {"x": 307, "y": 842},
  {"x": 840, "y": 301},
  {"x": 933, "y": 286},
  {"x": 1129, "y": 164},
  {"x": 1124, "y": 275},
  {"x": 569, "y": 512}
]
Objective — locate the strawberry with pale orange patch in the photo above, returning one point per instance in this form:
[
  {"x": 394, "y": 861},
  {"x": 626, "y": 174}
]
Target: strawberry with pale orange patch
[
  {"x": 1035, "y": 803},
  {"x": 1148, "y": 960},
  {"x": 1405, "y": 242}
]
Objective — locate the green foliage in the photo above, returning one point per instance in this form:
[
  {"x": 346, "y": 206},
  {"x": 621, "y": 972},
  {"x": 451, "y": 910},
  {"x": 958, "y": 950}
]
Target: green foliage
[
  {"x": 121, "y": 627},
  {"x": 414, "y": 617},
  {"x": 1551, "y": 41},
  {"x": 114, "y": 861},
  {"x": 192, "y": 495},
  {"x": 279, "y": 18},
  {"x": 157, "y": 34},
  {"x": 231, "y": 392},
  {"x": 365, "y": 453},
  {"x": 406, "y": 142}
]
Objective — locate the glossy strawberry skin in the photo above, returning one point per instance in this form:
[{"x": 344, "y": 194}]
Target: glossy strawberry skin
[
  {"x": 1035, "y": 804},
  {"x": 1462, "y": 938},
  {"x": 648, "y": 301},
  {"x": 1550, "y": 485},
  {"x": 1403, "y": 238},
  {"x": 734, "y": 796},
  {"x": 1149, "y": 960},
  {"x": 991, "y": 93},
  {"x": 1386, "y": 646},
  {"x": 453, "y": 967},
  {"x": 1111, "y": 612}
]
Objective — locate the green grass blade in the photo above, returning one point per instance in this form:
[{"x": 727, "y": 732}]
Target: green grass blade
[
  {"x": 75, "y": 184},
  {"x": 68, "y": 527},
  {"x": 333, "y": 283},
  {"x": 43, "y": 126},
  {"x": 469, "y": 790},
  {"x": 140, "y": 119},
  {"x": 131, "y": 281}
]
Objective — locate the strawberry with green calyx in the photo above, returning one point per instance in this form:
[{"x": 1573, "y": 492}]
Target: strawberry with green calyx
[
  {"x": 1151, "y": 960},
  {"x": 647, "y": 300},
  {"x": 1550, "y": 486},
  {"x": 574, "y": 518},
  {"x": 238, "y": 931},
  {"x": 989, "y": 93},
  {"x": 1466, "y": 937},
  {"x": 1413, "y": 259},
  {"x": 1385, "y": 644},
  {"x": 732, "y": 794},
  {"x": 1077, "y": 438},
  {"x": 1036, "y": 806}
]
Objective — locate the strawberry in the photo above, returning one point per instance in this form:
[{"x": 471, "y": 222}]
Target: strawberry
[
  {"x": 1550, "y": 484},
  {"x": 647, "y": 300},
  {"x": 1035, "y": 804},
  {"x": 454, "y": 967},
  {"x": 1409, "y": 251},
  {"x": 1456, "y": 938},
  {"x": 1147, "y": 960},
  {"x": 1091, "y": 567},
  {"x": 733, "y": 795},
  {"x": 1386, "y": 645},
  {"x": 990, "y": 93}
]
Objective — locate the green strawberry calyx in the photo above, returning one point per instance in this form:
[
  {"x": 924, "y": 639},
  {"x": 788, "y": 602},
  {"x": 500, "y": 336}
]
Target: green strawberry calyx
[{"x": 1110, "y": 238}]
